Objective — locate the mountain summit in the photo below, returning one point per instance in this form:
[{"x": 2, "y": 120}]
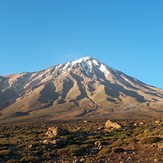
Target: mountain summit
[{"x": 84, "y": 87}]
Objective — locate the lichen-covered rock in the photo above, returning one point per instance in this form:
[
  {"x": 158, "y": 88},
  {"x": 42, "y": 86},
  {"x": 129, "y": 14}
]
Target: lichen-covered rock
[
  {"x": 109, "y": 124},
  {"x": 56, "y": 131}
]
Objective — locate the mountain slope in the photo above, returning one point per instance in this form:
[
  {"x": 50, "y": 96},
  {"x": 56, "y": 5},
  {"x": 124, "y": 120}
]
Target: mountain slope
[{"x": 85, "y": 87}]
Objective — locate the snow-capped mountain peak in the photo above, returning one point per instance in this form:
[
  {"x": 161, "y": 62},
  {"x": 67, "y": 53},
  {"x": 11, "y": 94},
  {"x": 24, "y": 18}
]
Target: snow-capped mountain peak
[
  {"x": 88, "y": 65},
  {"x": 82, "y": 60},
  {"x": 86, "y": 83}
]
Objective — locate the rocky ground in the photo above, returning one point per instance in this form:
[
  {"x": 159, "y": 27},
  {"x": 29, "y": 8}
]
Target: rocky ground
[{"x": 78, "y": 141}]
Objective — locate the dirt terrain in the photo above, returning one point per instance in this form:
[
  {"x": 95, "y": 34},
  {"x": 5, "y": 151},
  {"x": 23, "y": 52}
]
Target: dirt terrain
[{"x": 86, "y": 141}]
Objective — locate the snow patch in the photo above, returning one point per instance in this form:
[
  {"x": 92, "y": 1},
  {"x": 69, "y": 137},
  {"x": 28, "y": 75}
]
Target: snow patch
[
  {"x": 66, "y": 65},
  {"x": 58, "y": 66},
  {"x": 80, "y": 60},
  {"x": 126, "y": 79},
  {"x": 55, "y": 68},
  {"x": 95, "y": 62},
  {"x": 85, "y": 68},
  {"x": 104, "y": 69}
]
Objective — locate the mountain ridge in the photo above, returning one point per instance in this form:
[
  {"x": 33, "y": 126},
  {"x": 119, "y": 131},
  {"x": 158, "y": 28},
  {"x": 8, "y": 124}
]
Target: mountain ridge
[{"x": 84, "y": 87}]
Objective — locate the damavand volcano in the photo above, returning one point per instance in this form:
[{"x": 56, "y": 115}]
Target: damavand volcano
[{"x": 84, "y": 88}]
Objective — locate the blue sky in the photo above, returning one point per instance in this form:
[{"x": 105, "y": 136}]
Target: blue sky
[{"x": 125, "y": 34}]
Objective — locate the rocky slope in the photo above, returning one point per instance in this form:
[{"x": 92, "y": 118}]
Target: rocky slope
[{"x": 85, "y": 87}]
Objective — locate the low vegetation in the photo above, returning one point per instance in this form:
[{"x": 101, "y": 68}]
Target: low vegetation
[{"x": 86, "y": 141}]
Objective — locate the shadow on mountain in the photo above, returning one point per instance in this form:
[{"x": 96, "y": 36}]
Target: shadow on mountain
[
  {"x": 154, "y": 94},
  {"x": 114, "y": 91},
  {"x": 48, "y": 94},
  {"x": 7, "y": 98},
  {"x": 18, "y": 114},
  {"x": 90, "y": 87},
  {"x": 99, "y": 74},
  {"x": 67, "y": 85},
  {"x": 80, "y": 85}
]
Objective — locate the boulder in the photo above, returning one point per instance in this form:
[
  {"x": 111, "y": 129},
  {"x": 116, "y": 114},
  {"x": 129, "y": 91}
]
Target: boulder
[
  {"x": 109, "y": 124},
  {"x": 98, "y": 145},
  {"x": 56, "y": 131}
]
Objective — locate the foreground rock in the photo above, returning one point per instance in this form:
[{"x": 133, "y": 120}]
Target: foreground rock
[
  {"x": 109, "y": 124},
  {"x": 160, "y": 146},
  {"x": 56, "y": 131},
  {"x": 53, "y": 136},
  {"x": 58, "y": 142}
]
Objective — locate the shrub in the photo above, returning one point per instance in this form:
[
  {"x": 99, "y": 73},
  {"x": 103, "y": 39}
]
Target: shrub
[
  {"x": 104, "y": 152},
  {"x": 63, "y": 151},
  {"x": 150, "y": 140},
  {"x": 29, "y": 159},
  {"x": 87, "y": 146},
  {"x": 5, "y": 152},
  {"x": 12, "y": 161},
  {"x": 118, "y": 150},
  {"x": 73, "y": 150},
  {"x": 3, "y": 143}
]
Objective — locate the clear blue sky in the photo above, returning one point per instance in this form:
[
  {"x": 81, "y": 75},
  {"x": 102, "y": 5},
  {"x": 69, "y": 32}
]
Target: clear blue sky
[{"x": 125, "y": 34}]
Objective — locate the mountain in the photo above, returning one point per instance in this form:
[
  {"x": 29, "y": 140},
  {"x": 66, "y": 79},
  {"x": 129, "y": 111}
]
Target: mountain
[{"x": 76, "y": 89}]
